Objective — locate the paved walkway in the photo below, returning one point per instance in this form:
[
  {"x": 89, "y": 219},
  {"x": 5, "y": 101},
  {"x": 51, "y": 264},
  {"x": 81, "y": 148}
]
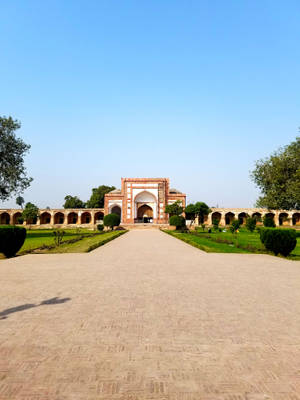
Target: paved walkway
[{"x": 149, "y": 317}]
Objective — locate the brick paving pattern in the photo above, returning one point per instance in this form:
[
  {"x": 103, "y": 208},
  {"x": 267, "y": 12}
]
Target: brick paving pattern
[{"x": 149, "y": 317}]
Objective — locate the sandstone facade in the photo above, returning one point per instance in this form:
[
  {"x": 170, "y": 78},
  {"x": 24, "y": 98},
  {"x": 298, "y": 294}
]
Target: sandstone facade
[{"x": 143, "y": 200}]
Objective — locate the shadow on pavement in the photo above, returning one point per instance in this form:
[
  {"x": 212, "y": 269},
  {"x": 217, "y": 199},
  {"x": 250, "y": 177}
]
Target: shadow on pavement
[{"x": 23, "y": 307}]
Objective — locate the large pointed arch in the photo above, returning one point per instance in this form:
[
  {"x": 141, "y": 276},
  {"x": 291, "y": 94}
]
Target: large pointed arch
[{"x": 142, "y": 200}]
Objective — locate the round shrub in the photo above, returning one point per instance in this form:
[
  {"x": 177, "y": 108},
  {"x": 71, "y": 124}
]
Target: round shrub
[
  {"x": 279, "y": 241},
  {"x": 251, "y": 223},
  {"x": 268, "y": 222},
  {"x": 11, "y": 239},
  {"x": 111, "y": 220},
  {"x": 178, "y": 221},
  {"x": 216, "y": 223},
  {"x": 100, "y": 227}
]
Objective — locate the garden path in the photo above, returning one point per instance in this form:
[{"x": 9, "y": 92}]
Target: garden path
[{"x": 149, "y": 317}]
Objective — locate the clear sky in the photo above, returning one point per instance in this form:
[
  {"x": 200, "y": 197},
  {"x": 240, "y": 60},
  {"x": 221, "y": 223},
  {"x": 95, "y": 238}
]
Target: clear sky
[{"x": 191, "y": 90}]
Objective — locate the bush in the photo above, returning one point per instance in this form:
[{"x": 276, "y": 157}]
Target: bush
[
  {"x": 178, "y": 221},
  {"x": 268, "y": 222},
  {"x": 100, "y": 227},
  {"x": 11, "y": 239},
  {"x": 235, "y": 224},
  {"x": 30, "y": 213},
  {"x": 111, "y": 220},
  {"x": 279, "y": 241},
  {"x": 216, "y": 223},
  {"x": 251, "y": 223},
  {"x": 58, "y": 236}
]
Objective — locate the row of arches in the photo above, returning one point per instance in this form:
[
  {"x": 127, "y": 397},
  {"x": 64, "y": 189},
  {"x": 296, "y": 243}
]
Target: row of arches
[
  {"x": 57, "y": 218},
  {"x": 64, "y": 217},
  {"x": 280, "y": 219}
]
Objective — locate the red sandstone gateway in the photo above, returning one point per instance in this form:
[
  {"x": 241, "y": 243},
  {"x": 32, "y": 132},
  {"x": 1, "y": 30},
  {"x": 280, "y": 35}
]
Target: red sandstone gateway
[{"x": 142, "y": 200}]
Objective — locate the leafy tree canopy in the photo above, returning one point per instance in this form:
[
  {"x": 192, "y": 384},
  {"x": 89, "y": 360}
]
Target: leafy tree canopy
[
  {"x": 20, "y": 201},
  {"x": 178, "y": 221},
  {"x": 97, "y": 197},
  {"x": 174, "y": 209},
  {"x": 73, "y": 202},
  {"x": 30, "y": 212},
  {"x": 251, "y": 223},
  {"x": 278, "y": 178},
  {"x": 201, "y": 210},
  {"x": 190, "y": 212},
  {"x": 13, "y": 176},
  {"x": 111, "y": 220}
]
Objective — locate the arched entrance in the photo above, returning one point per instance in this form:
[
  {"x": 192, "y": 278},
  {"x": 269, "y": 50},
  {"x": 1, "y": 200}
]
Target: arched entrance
[
  {"x": 229, "y": 217},
  {"x": 4, "y": 218},
  {"x": 45, "y": 218},
  {"x": 86, "y": 218},
  {"x": 145, "y": 214},
  {"x": 72, "y": 218},
  {"x": 116, "y": 210},
  {"x": 59, "y": 218},
  {"x": 145, "y": 207},
  {"x": 283, "y": 219},
  {"x": 17, "y": 218},
  {"x": 98, "y": 219},
  {"x": 296, "y": 219},
  {"x": 242, "y": 217}
]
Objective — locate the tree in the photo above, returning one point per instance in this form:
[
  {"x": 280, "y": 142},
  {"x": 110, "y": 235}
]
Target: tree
[
  {"x": 235, "y": 224},
  {"x": 201, "y": 210},
  {"x": 190, "y": 213},
  {"x": 97, "y": 198},
  {"x": 73, "y": 202},
  {"x": 111, "y": 220},
  {"x": 216, "y": 223},
  {"x": 178, "y": 221},
  {"x": 268, "y": 222},
  {"x": 13, "y": 177},
  {"x": 251, "y": 223},
  {"x": 30, "y": 213},
  {"x": 174, "y": 209},
  {"x": 20, "y": 201},
  {"x": 278, "y": 178}
]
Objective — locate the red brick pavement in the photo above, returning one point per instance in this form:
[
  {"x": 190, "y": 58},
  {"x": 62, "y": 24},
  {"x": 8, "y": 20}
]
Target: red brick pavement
[{"x": 149, "y": 317}]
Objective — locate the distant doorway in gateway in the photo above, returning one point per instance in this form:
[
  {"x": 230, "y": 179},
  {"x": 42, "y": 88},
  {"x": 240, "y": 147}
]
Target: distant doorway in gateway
[
  {"x": 145, "y": 214},
  {"x": 116, "y": 210}
]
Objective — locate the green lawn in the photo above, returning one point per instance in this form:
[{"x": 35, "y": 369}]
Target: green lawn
[
  {"x": 37, "y": 238},
  {"x": 87, "y": 244},
  {"x": 226, "y": 242}
]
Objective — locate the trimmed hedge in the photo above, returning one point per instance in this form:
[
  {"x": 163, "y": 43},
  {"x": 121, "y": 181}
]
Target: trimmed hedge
[
  {"x": 279, "y": 241},
  {"x": 11, "y": 239}
]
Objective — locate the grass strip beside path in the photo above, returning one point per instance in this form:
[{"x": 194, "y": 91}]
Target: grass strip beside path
[
  {"x": 206, "y": 244},
  {"x": 38, "y": 238},
  {"x": 86, "y": 244},
  {"x": 226, "y": 242}
]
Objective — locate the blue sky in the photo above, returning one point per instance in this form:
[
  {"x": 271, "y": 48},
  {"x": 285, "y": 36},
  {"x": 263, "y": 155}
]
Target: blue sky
[{"x": 191, "y": 90}]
